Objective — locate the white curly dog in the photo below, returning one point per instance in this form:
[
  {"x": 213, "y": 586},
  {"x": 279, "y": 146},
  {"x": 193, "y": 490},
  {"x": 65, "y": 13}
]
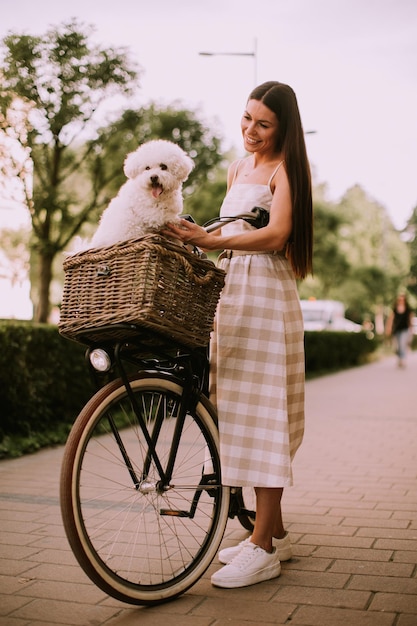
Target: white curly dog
[{"x": 150, "y": 198}]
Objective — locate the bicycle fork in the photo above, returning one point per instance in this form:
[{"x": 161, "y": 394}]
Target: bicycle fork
[{"x": 145, "y": 484}]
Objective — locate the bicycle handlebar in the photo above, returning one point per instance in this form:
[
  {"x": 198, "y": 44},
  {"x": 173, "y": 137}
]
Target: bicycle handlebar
[{"x": 257, "y": 217}]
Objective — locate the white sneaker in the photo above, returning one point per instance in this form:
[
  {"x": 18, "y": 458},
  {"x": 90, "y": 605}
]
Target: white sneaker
[
  {"x": 250, "y": 566},
  {"x": 283, "y": 547}
]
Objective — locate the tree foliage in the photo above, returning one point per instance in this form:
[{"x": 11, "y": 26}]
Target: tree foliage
[
  {"x": 52, "y": 89},
  {"x": 359, "y": 257},
  {"x": 135, "y": 127},
  {"x": 14, "y": 255},
  {"x": 329, "y": 258},
  {"x": 69, "y": 164},
  {"x": 204, "y": 204},
  {"x": 411, "y": 236}
]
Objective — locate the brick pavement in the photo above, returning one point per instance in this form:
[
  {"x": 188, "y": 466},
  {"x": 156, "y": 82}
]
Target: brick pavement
[{"x": 352, "y": 515}]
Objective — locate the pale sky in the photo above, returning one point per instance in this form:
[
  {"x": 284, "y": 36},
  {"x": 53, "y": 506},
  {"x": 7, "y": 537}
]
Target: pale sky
[{"x": 352, "y": 64}]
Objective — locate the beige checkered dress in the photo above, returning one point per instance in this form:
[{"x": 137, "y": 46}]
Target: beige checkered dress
[{"x": 257, "y": 358}]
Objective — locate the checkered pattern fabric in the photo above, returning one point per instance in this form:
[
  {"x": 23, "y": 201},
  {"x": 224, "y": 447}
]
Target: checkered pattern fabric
[{"x": 257, "y": 361}]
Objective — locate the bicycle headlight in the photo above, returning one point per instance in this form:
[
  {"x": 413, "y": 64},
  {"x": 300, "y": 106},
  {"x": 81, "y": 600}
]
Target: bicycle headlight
[{"x": 100, "y": 360}]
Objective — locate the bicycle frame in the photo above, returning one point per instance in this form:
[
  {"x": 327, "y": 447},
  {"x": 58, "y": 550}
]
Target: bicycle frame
[{"x": 188, "y": 366}]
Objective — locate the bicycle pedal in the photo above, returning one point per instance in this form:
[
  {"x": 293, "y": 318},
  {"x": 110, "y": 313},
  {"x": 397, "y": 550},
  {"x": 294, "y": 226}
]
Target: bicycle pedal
[{"x": 174, "y": 513}]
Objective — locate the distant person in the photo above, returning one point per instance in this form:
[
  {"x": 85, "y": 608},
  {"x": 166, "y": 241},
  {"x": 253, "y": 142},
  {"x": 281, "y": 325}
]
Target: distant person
[{"x": 399, "y": 327}]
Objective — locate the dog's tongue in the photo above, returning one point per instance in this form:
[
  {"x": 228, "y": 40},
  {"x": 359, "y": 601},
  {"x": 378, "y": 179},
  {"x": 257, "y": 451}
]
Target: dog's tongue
[{"x": 157, "y": 190}]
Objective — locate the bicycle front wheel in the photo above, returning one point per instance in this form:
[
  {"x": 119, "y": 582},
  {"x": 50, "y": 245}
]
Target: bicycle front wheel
[{"x": 139, "y": 543}]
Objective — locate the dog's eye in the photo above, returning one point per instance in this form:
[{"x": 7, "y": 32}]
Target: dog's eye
[
  {"x": 163, "y": 166},
  {"x": 147, "y": 167}
]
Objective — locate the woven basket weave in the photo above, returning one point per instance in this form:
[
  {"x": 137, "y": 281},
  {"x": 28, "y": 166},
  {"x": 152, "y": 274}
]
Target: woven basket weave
[{"x": 151, "y": 282}]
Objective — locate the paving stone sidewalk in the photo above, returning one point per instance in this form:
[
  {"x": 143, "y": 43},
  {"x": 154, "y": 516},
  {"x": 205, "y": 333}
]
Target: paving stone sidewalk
[{"x": 352, "y": 515}]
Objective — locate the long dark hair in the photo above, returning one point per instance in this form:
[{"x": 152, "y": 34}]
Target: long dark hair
[
  {"x": 407, "y": 306},
  {"x": 281, "y": 99}
]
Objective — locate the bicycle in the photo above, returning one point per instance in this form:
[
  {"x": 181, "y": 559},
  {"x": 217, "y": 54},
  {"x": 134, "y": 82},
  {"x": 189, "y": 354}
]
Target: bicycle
[{"x": 142, "y": 500}]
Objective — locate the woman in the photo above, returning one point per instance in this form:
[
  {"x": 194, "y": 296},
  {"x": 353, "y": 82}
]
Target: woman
[
  {"x": 257, "y": 351},
  {"x": 399, "y": 327}
]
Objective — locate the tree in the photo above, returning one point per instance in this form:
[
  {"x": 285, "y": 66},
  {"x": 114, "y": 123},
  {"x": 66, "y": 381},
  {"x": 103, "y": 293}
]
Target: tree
[
  {"x": 53, "y": 88},
  {"x": 359, "y": 257},
  {"x": 374, "y": 247},
  {"x": 329, "y": 260},
  {"x": 411, "y": 233},
  {"x": 135, "y": 127}
]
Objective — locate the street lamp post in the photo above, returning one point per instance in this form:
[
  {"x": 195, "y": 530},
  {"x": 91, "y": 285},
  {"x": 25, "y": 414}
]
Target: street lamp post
[{"x": 252, "y": 54}]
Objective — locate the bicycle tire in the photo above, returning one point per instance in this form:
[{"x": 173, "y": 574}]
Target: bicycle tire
[
  {"x": 139, "y": 546},
  {"x": 246, "y": 500}
]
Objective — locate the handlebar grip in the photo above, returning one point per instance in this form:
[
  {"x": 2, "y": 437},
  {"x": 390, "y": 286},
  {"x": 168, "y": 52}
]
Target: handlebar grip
[{"x": 258, "y": 217}]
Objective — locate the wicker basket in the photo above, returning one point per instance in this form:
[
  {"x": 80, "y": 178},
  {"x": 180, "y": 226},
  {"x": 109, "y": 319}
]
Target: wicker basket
[{"x": 151, "y": 282}]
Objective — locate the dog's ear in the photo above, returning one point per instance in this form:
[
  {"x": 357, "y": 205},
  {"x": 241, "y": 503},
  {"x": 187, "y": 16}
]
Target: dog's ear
[
  {"x": 132, "y": 165},
  {"x": 184, "y": 167}
]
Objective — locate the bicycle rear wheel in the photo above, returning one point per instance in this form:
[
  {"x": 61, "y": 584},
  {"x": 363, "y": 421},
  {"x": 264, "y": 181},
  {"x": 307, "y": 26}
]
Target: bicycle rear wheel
[{"x": 138, "y": 543}]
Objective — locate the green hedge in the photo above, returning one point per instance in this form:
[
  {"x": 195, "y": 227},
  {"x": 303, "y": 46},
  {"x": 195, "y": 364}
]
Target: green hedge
[
  {"x": 329, "y": 351},
  {"x": 44, "y": 380},
  {"x": 44, "y": 383}
]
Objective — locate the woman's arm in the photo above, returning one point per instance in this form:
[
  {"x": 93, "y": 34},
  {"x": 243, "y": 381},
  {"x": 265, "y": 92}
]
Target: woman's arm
[
  {"x": 274, "y": 236},
  {"x": 388, "y": 325}
]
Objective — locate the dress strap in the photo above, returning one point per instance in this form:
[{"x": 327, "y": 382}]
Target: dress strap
[
  {"x": 236, "y": 169},
  {"x": 274, "y": 172}
]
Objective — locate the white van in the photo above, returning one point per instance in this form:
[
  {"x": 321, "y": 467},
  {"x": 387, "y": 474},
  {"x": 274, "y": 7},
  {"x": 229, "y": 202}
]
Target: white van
[{"x": 326, "y": 315}]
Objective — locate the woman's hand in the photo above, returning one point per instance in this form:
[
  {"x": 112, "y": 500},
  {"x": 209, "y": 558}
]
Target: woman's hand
[{"x": 190, "y": 233}]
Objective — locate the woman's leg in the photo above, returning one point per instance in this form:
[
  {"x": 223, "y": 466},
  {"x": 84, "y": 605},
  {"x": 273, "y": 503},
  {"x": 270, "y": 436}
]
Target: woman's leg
[
  {"x": 268, "y": 522},
  {"x": 402, "y": 337},
  {"x": 250, "y": 563}
]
